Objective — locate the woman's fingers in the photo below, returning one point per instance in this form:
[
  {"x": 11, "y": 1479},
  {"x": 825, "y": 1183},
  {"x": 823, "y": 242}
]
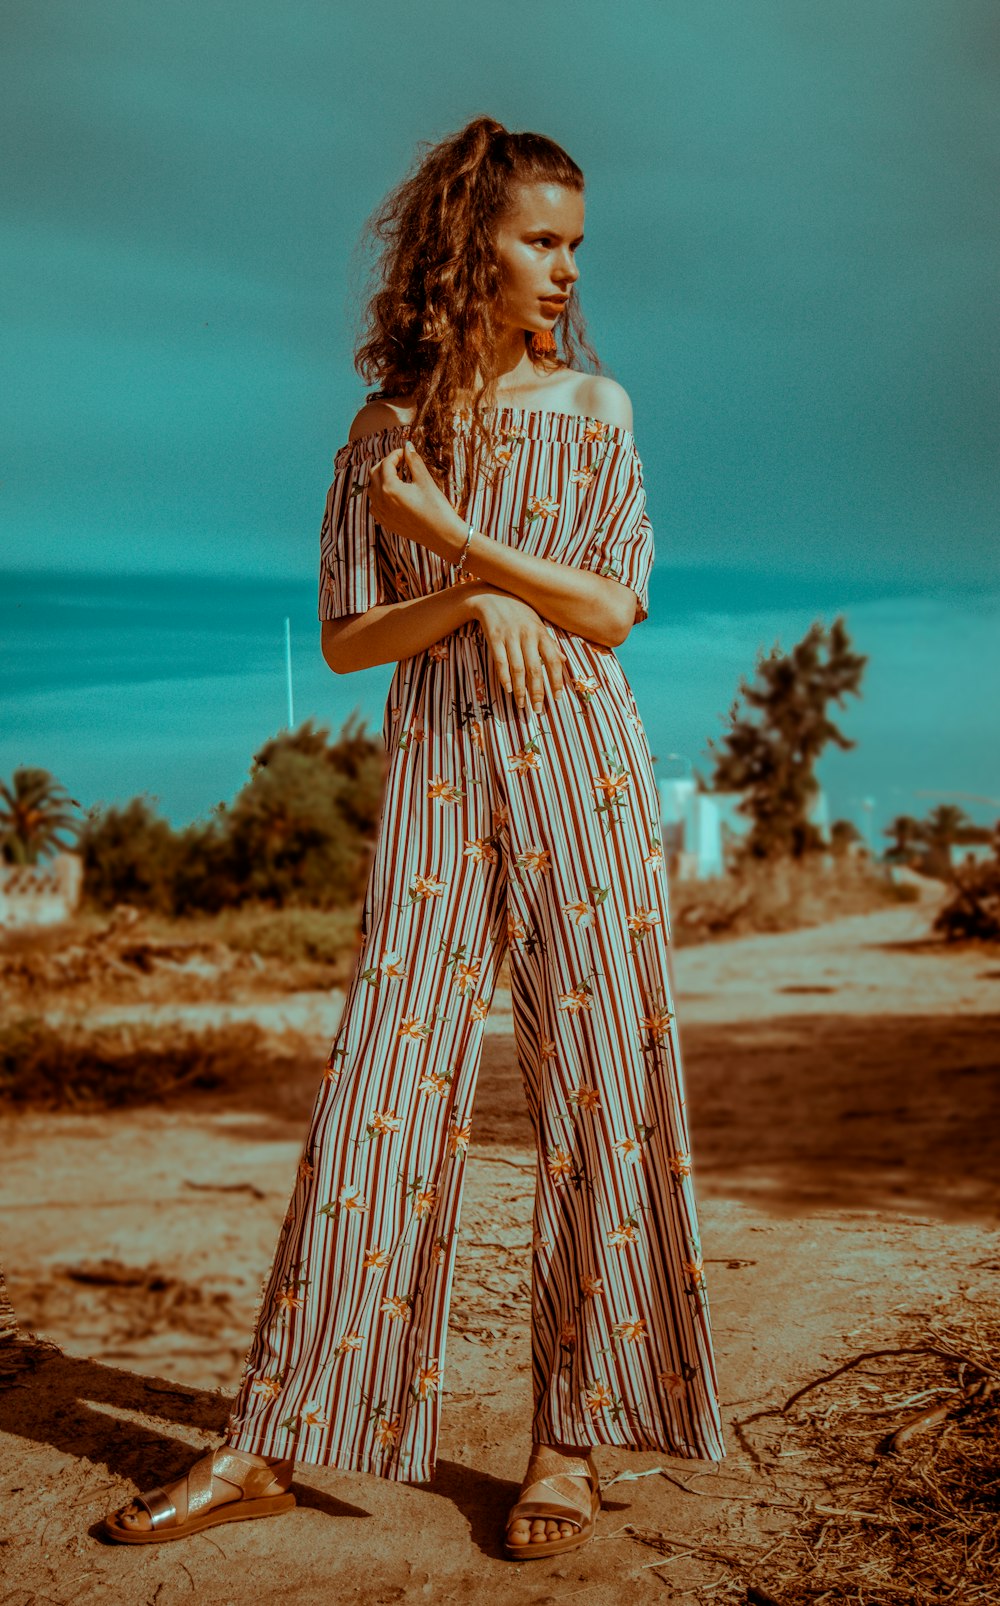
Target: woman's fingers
[
  {"x": 498, "y": 647},
  {"x": 554, "y": 659},
  {"x": 525, "y": 661},
  {"x": 529, "y": 667},
  {"x": 515, "y": 670},
  {"x": 521, "y": 675},
  {"x": 535, "y": 677}
]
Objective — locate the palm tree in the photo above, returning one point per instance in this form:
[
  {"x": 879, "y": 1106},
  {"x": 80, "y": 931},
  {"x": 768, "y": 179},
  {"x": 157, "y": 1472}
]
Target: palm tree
[
  {"x": 33, "y": 810},
  {"x": 941, "y": 828},
  {"x": 907, "y": 835}
]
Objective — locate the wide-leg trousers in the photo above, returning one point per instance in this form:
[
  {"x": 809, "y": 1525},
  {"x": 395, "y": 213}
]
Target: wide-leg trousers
[{"x": 536, "y": 835}]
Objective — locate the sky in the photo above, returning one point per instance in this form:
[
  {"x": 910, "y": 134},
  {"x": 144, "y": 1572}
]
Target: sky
[{"x": 790, "y": 264}]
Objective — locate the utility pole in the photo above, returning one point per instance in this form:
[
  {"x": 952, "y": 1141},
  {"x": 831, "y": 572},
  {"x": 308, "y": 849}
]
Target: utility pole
[
  {"x": 288, "y": 671},
  {"x": 867, "y": 834}
]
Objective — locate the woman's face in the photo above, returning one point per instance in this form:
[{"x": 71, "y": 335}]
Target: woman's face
[{"x": 536, "y": 247}]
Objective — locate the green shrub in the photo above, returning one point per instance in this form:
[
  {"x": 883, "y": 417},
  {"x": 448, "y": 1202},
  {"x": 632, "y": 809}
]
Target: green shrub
[
  {"x": 288, "y": 835},
  {"x": 130, "y": 855},
  {"x": 298, "y": 835},
  {"x": 973, "y": 909}
]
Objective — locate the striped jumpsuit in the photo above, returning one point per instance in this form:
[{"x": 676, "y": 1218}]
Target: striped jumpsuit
[{"x": 535, "y": 835}]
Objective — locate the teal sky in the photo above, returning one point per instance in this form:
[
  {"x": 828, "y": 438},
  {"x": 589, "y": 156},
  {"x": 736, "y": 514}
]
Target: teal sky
[{"x": 790, "y": 264}]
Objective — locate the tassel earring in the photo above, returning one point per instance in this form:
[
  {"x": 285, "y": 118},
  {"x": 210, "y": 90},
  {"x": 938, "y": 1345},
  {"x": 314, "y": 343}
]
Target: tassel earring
[{"x": 543, "y": 342}]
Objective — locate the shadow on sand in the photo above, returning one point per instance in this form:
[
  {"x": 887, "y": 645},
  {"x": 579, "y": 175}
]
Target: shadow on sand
[
  {"x": 73, "y": 1405},
  {"x": 881, "y": 1112}
]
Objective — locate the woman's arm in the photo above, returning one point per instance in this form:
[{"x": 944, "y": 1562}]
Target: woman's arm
[
  {"x": 394, "y": 630},
  {"x": 588, "y": 604},
  {"x": 579, "y": 599},
  {"x": 573, "y": 596}
]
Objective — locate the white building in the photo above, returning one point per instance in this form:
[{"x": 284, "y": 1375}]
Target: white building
[{"x": 699, "y": 826}]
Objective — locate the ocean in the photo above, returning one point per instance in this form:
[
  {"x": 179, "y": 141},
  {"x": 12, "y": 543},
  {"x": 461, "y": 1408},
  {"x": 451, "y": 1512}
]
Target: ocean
[{"x": 168, "y": 684}]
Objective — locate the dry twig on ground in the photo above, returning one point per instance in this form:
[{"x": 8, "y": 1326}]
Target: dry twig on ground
[{"x": 906, "y": 1511}]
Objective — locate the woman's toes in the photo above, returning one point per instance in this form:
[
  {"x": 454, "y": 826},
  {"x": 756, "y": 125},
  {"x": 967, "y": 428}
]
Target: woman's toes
[
  {"x": 543, "y": 1529},
  {"x": 539, "y": 1530},
  {"x": 134, "y": 1516}
]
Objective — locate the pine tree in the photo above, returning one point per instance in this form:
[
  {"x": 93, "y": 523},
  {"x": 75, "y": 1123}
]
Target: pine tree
[{"x": 772, "y": 757}]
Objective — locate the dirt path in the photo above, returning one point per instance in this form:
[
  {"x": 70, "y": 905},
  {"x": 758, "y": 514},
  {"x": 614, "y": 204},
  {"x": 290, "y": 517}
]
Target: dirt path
[{"x": 845, "y": 1145}]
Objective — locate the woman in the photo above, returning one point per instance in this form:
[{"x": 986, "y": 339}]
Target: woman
[{"x": 486, "y": 528}]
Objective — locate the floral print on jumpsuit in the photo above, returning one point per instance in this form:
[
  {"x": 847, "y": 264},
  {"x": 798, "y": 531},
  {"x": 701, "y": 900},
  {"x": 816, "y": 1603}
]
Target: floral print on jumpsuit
[{"x": 502, "y": 831}]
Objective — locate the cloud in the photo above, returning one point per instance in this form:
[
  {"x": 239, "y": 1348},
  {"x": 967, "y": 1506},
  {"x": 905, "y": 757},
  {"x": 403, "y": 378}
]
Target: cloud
[{"x": 791, "y": 239}]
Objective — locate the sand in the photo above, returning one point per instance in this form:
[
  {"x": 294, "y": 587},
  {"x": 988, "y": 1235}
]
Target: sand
[{"x": 843, "y": 1085}]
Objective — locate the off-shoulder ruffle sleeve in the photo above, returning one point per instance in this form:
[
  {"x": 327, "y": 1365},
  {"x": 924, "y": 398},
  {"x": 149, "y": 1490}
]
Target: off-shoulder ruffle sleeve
[
  {"x": 621, "y": 544},
  {"x": 351, "y": 579}
]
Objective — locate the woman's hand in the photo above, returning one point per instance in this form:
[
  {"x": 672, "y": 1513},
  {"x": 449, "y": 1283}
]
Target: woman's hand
[
  {"x": 522, "y": 644},
  {"x": 417, "y": 508}
]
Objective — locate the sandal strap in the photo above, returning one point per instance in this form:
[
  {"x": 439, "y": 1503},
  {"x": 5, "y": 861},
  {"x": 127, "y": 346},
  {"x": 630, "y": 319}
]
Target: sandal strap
[
  {"x": 544, "y": 1498},
  {"x": 197, "y": 1488},
  {"x": 199, "y": 1491},
  {"x": 544, "y": 1462},
  {"x": 162, "y": 1511},
  {"x": 235, "y": 1468},
  {"x": 547, "y": 1490}
]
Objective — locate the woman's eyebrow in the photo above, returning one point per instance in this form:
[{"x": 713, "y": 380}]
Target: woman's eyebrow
[{"x": 554, "y": 232}]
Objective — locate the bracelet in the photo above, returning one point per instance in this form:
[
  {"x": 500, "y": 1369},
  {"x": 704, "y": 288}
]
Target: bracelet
[{"x": 459, "y": 563}]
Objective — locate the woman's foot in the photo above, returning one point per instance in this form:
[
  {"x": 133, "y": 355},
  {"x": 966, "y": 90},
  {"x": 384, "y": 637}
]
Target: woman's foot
[
  {"x": 136, "y": 1516},
  {"x": 525, "y": 1531}
]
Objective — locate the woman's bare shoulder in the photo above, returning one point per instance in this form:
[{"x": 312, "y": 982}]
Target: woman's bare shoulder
[
  {"x": 592, "y": 395},
  {"x": 572, "y": 390},
  {"x": 600, "y": 396},
  {"x": 386, "y": 413}
]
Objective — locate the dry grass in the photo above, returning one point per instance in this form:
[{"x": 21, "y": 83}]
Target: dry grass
[
  {"x": 784, "y": 896},
  {"x": 142, "y": 957},
  {"x": 290, "y": 933},
  {"x": 879, "y": 1480},
  {"x": 70, "y": 1067},
  {"x": 924, "y": 1501},
  {"x": 307, "y": 936}
]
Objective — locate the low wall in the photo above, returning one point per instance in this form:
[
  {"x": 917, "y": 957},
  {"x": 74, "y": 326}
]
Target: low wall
[{"x": 40, "y": 894}]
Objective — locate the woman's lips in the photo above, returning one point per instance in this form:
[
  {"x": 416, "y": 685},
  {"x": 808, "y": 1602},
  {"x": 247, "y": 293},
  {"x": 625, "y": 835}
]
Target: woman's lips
[{"x": 555, "y": 302}]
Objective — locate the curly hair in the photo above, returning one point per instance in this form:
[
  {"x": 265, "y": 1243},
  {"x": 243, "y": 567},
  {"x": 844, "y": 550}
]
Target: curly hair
[{"x": 438, "y": 279}]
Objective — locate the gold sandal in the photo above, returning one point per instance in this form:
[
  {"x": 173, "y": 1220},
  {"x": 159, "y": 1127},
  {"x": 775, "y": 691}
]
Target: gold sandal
[
  {"x": 547, "y": 1492},
  {"x": 167, "y": 1522}
]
